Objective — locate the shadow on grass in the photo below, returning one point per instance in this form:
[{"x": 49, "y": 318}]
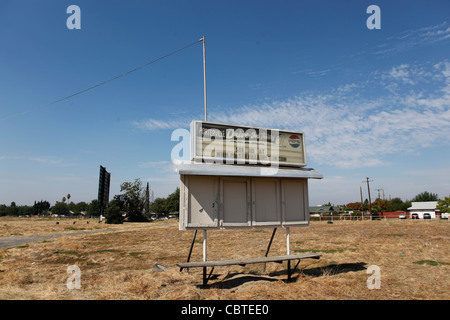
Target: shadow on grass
[
  {"x": 234, "y": 280},
  {"x": 333, "y": 269}
]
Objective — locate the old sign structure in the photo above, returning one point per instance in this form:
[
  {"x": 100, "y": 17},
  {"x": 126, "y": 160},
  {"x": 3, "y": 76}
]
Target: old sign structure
[
  {"x": 104, "y": 180},
  {"x": 244, "y": 177}
]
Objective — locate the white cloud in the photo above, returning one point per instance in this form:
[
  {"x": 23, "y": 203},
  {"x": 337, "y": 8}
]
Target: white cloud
[
  {"x": 355, "y": 132},
  {"x": 153, "y": 164},
  {"x": 153, "y": 124},
  {"x": 46, "y": 160},
  {"x": 401, "y": 73},
  {"x": 71, "y": 178},
  {"x": 346, "y": 128},
  {"x": 409, "y": 39}
]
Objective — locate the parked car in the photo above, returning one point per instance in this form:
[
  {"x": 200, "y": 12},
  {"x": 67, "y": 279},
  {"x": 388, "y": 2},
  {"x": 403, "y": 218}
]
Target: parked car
[
  {"x": 427, "y": 216},
  {"x": 414, "y": 216},
  {"x": 402, "y": 216}
]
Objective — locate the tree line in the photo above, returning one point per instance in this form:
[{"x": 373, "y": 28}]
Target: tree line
[
  {"x": 397, "y": 204},
  {"x": 43, "y": 208},
  {"x": 134, "y": 204}
]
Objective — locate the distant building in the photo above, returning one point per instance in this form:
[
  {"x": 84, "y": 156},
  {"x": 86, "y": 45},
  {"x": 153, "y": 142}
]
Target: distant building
[
  {"x": 395, "y": 214},
  {"x": 423, "y": 210},
  {"x": 321, "y": 210}
]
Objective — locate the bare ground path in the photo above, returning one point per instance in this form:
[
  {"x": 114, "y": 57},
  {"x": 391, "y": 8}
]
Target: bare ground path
[{"x": 8, "y": 242}]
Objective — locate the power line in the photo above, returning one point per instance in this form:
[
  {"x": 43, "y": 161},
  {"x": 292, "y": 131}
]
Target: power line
[{"x": 101, "y": 83}]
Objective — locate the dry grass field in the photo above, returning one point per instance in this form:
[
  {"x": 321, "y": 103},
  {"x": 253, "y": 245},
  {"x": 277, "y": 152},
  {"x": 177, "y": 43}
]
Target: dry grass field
[{"x": 413, "y": 256}]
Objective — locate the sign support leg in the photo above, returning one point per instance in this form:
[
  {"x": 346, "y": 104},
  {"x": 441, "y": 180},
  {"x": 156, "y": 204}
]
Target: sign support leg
[
  {"x": 205, "y": 280},
  {"x": 288, "y": 251},
  {"x": 268, "y": 247},
  {"x": 190, "y": 249},
  {"x": 204, "y": 245}
]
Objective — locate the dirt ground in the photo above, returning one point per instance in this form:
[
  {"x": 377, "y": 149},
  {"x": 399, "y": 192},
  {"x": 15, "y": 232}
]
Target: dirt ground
[{"x": 412, "y": 257}]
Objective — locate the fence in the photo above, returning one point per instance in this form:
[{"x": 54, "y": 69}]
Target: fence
[{"x": 358, "y": 216}]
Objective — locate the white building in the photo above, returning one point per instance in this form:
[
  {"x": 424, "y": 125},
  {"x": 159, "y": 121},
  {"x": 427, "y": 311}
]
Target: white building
[{"x": 421, "y": 210}]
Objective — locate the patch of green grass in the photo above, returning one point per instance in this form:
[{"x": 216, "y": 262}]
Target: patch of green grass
[
  {"x": 323, "y": 251},
  {"x": 392, "y": 234},
  {"x": 136, "y": 254},
  {"x": 74, "y": 228},
  {"x": 20, "y": 247},
  {"x": 431, "y": 262},
  {"x": 260, "y": 231},
  {"x": 108, "y": 250},
  {"x": 75, "y": 253}
]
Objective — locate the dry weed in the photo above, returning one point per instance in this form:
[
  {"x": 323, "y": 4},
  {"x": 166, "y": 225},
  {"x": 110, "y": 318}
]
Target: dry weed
[{"x": 413, "y": 257}]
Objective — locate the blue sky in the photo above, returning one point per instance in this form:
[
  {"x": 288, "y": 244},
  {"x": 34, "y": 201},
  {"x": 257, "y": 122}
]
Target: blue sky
[{"x": 371, "y": 103}]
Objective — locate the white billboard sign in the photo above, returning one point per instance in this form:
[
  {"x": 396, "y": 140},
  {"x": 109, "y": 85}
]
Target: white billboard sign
[{"x": 230, "y": 144}]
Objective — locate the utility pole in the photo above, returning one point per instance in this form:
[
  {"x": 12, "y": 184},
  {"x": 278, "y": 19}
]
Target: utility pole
[
  {"x": 362, "y": 203},
  {"x": 379, "y": 198},
  {"x": 368, "y": 190}
]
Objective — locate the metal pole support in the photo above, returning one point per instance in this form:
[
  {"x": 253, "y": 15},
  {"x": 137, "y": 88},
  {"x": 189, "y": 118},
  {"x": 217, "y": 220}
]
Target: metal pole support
[
  {"x": 190, "y": 249},
  {"x": 268, "y": 247}
]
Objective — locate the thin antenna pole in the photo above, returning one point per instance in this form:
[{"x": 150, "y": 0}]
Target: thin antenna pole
[{"x": 204, "y": 76}]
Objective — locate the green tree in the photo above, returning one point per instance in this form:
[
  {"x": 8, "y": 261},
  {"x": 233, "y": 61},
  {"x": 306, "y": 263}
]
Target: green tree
[
  {"x": 25, "y": 210},
  {"x": 134, "y": 200},
  {"x": 13, "y": 209},
  {"x": 60, "y": 208},
  {"x": 94, "y": 208},
  {"x": 71, "y": 206},
  {"x": 353, "y": 206},
  {"x": 425, "y": 196},
  {"x": 167, "y": 205},
  {"x": 398, "y": 204},
  {"x": 3, "y": 210},
  {"x": 366, "y": 205},
  {"x": 159, "y": 206},
  {"x": 173, "y": 201},
  {"x": 147, "y": 201},
  {"x": 41, "y": 207},
  {"x": 81, "y": 206},
  {"x": 444, "y": 204},
  {"x": 114, "y": 212}
]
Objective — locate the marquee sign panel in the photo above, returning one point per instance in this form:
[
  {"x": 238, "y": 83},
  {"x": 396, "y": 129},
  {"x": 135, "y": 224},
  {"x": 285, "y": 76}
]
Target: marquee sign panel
[
  {"x": 230, "y": 144},
  {"x": 212, "y": 202}
]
